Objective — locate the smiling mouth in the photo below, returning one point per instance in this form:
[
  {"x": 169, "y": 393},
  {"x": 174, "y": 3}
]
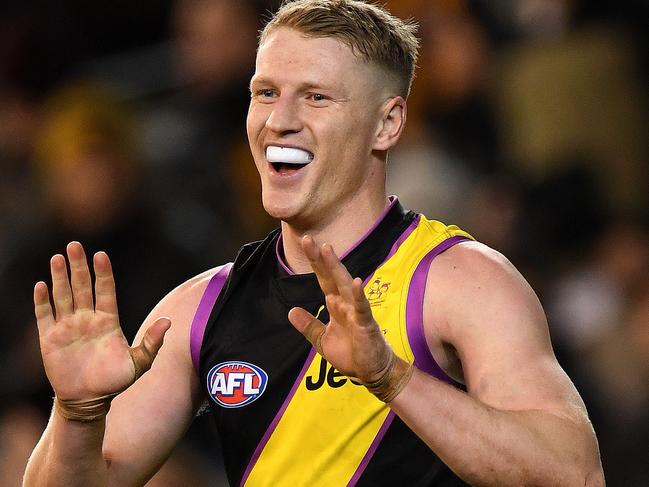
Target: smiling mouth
[{"x": 283, "y": 168}]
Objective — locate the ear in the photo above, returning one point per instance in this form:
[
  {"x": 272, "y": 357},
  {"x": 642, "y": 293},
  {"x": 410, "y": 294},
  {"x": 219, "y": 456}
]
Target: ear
[{"x": 393, "y": 120}]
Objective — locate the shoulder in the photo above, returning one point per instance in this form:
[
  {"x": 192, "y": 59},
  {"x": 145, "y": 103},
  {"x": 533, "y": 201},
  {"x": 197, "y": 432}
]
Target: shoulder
[
  {"x": 189, "y": 293},
  {"x": 482, "y": 307},
  {"x": 181, "y": 303},
  {"x": 471, "y": 275},
  {"x": 198, "y": 283},
  {"x": 475, "y": 259},
  {"x": 475, "y": 298}
]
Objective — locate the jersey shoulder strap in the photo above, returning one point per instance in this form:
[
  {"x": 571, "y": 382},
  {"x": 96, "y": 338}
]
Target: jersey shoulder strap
[{"x": 202, "y": 315}]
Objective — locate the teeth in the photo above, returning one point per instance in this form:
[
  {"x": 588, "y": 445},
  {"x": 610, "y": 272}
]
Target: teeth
[{"x": 288, "y": 155}]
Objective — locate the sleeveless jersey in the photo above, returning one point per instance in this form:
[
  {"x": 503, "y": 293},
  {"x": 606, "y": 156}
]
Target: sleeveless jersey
[{"x": 284, "y": 415}]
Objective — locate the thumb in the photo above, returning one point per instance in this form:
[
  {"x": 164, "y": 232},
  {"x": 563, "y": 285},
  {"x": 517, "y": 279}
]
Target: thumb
[
  {"x": 307, "y": 324},
  {"x": 144, "y": 354}
]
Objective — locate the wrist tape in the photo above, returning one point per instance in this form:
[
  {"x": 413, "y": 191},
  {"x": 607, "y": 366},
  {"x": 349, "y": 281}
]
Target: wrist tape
[
  {"x": 84, "y": 411},
  {"x": 391, "y": 382}
]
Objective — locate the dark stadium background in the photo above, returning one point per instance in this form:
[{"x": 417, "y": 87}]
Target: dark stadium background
[{"x": 122, "y": 125}]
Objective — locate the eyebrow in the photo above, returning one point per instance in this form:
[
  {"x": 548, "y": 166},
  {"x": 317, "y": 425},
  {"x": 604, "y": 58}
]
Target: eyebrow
[
  {"x": 260, "y": 81},
  {"x": 304, "y": 86}
]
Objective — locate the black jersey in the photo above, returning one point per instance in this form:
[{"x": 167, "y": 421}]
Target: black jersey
[{"x": 285, "y": 416}]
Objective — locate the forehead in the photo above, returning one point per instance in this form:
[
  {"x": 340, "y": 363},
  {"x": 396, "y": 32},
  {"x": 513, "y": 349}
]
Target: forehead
[{"x": 286, "y": 54}]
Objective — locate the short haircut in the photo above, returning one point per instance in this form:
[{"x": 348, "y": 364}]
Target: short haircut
[{"x": 373, "y": 34}]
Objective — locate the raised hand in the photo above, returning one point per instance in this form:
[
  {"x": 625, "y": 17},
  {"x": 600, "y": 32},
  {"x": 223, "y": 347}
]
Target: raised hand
[
  {"x": 352, "y": 341},
  {"x": 84, "y": 350}
]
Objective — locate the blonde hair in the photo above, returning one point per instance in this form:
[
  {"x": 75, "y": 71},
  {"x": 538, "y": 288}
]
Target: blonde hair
[{"x": 372, "y": 33}]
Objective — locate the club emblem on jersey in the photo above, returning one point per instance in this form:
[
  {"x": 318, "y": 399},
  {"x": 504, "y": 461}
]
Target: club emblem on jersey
[
  {"x": 377, "y": 291},
  {"x": 235, "y": 384}
]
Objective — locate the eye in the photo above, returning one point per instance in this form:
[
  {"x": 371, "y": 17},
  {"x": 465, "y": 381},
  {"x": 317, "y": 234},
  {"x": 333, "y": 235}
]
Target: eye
[
  {"x": 264, "y": 95},
  {"x": 317, "y": 97}
]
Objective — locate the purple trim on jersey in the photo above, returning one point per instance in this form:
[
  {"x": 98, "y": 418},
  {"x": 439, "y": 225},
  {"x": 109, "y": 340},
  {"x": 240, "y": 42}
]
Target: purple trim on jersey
[
  {"x": 393, "y": 250},
  {"x": 204, "y": 310},
  {"x": 370, "y": 452},
  {"x": 388, "y": 420},
  {"x": 278, "y": 416},
  {"x": 280, "y": 259},
  {"x": 392, "y": 200},
  {"x": 415, "y": 313}
]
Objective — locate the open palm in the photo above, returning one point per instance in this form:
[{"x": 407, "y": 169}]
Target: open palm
[{"x": 84, "y": 350}]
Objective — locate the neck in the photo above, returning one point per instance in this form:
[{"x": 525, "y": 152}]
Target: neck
[{"x": 342, "y": 230}]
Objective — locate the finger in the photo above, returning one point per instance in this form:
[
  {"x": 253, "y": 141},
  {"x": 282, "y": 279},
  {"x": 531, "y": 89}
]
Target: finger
[
  {"x": 361, "y": 304},
  {"x": 313, "y": 253},
  {"x": 42, "y": 307},
  {"x": 307, "y": 324},
  {"x": 61, "y": 291},
  {"x": 337, "y": 271},
  {"x": 105, "y": 297},
  {"x": 144, "y": 354},
  {"x": 79, "y": 277}
]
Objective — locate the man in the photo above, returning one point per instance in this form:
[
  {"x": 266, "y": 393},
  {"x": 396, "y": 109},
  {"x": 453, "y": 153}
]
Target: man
[{"x": 328, "y": 102}]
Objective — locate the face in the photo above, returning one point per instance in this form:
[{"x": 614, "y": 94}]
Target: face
[{"x": 313, "y": 94}]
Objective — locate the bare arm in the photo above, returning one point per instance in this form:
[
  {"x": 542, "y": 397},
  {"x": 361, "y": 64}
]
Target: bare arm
[
  {"x": 86, "y": 356},
  {"x": 521, "y": 422}
]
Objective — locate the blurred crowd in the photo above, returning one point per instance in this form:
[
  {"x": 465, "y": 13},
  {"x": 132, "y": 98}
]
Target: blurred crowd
[{"x": 122, "y": 125}]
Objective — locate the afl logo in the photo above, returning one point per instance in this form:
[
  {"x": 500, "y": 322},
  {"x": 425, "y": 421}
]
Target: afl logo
[{"x": 235, "y": 384}]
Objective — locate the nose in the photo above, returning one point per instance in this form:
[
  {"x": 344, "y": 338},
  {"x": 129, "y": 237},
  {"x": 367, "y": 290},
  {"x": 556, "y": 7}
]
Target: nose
[{"x": 285, "y": 117}]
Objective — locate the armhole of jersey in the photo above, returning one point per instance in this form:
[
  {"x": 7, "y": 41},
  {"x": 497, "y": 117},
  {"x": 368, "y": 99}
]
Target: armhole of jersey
[
  {"x": 202, "y": 315},
  {"x": 415, "y": 313}
]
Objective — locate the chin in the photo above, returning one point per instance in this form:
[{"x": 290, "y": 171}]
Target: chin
[{"x": 280, "y": 210}]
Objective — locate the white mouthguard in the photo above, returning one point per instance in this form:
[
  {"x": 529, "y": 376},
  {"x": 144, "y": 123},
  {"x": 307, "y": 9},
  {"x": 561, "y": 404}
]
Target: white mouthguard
[{"x": 288, "y": 155}]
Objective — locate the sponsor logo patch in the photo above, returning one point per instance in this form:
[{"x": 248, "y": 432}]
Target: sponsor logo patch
[
  {"x": 328, "y": 375},
  {"x": 235, "y": 384}
]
